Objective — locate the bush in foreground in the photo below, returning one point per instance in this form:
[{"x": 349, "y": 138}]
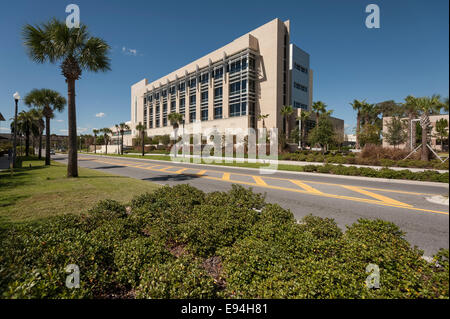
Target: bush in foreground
[{"x": 182, "y": 243}]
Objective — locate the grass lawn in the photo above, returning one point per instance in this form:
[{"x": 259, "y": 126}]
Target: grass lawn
[{"x": 37, "y": 192}]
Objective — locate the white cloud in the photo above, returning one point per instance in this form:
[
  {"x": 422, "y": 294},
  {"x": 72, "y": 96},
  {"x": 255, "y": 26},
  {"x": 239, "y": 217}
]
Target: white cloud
[
  {"x": 101, "y": 114},
  {"x": 132, "y": 52}
]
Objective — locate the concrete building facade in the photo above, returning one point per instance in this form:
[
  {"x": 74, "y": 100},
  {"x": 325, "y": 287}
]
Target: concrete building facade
[{"x": 258, "y": 73}]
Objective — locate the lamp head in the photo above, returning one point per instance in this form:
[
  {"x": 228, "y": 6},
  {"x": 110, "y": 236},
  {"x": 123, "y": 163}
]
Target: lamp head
[{"x": 16, "y": 96}]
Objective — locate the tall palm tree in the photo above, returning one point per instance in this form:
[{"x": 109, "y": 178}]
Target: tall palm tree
[
  {"x": 318, "y": 108},
  {"x": 304, "y": 115},
  {"x": 118, "y": 137},
  {"x": 122, "y": 128},
  {"x": 38, "y": 129},
  {"x": 286, "y": 111},
  {"x": 27, "y": 122},
  {"x": 357, "y": 106},
  {"x": 411, "y": 107},
  {"x": 106, "y": 131},
  {"x": 368, "y": 112},
  {"x": 141, "y": 128},
  {"x": 175, "y": 119},
  {"x": 95, "y": 132},
  {"x": 427, "y": 105},
  {"x": 76, "y": 50},
  {"x": 263, "y": 117},
  {"x": 47, "y": 101}
]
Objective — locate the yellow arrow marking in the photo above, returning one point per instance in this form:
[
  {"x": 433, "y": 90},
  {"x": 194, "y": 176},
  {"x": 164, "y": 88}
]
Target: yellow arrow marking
[
  {"x": 226, "y": 176},
  {"x": 181, "y": 170},
  {"x": 306, "y": 187},
  {"x": 201, "y": 172},
  {"x": 377, "y": 196},
  {"x": 259, "y": 181}
]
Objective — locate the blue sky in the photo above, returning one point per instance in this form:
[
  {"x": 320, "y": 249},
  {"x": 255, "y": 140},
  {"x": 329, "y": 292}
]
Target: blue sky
[{"x": 409, "y": 54}]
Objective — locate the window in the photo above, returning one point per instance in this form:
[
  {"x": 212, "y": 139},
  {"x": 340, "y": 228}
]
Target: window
[
  {"x": 218, "y": 73},
  {"x": 244, "y": 63},
  {"x": 192, "y": 116},
  {"x": 172, "y": 90},
  {"x": 244, "y": 85},
  {"x": 235, "y": 87},
  {"x": 145, "y": 100},
  {"x": 182, "y": 86},
  {"x": 300, "y": 87},
  {"x": 192, "y": 100},
  {"x": 164, "y": 93},
  {"x": 218, "y": 92},
  {"x": 173, "y": 106},
  {"x": 252, "y": 63},
  {"x": 205, "y": 78},
  {"x": 235, "y": 67},
  {"x": 244, "y": 108},
  {"x": 300, "y": 68},
  {"x": 299, "y": 105},
  {"x": 182, "y": 105},
  {"x": 235, "y": 109},
  {"x": 218, "y": 112},
  {"x": 251, "y": 84},
  {"x": 205, "y": 96},
  {"x": 204, "y": 115},
  {"x": 192, "y": 83}
]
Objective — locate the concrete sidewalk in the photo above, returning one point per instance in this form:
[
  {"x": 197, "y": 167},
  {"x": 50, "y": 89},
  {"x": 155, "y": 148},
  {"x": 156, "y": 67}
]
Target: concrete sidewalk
[{"x": 297, "y": 163}]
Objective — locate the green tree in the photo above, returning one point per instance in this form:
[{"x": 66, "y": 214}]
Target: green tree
[
  {"x": 411, "y": 108},
  {"x": 286, "y": 111},
  {"x": 370, "y": 134},
  {"x": 38, "y": 129},
  {"x": 75, "y": 50},
  {"x": 27, "y": 122},
  {"x": 318, "y": 108},
  {"x": 122, "y": 128},
  {"x": 48, "y": 102},
  {"x": 323, "y": 134},
  {"x": 106, "y": 138},
  {"x": 141, "y": 129},
  {"x": 396, "y": 132},
  {"x": 95, "y": 132},
  {"x": 175, "y": 120},
  {"x": 427, "y": 105},
  {"x": 357, "y": 106},
  {"x": 262, "y": 117},
  {"x": 442, "y": 131}
]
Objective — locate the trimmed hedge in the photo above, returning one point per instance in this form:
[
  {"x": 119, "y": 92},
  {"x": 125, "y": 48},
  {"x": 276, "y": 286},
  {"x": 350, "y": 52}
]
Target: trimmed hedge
[
  {"x": 179, "y": 242},
  {"x": 430, "y": 176}
]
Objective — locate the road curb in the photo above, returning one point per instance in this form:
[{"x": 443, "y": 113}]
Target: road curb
[{"x": 360, "y": 178}]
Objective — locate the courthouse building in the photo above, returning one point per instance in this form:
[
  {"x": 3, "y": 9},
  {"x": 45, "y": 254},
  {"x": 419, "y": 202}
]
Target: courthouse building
[{"x": 256, "y": 74}]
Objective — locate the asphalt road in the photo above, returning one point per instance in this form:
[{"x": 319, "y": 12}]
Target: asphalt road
[{"x": 344, "y": 199}]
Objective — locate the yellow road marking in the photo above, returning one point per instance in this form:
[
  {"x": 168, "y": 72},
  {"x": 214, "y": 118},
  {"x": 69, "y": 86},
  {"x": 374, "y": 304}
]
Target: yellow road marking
[
  {"x": 166, "y": 168},
  {"x": 226, "y": 176},
  {"x": 259, "y": 181},
  {"x": 181, "y": 170},
  {"x": 203, "y": 171},
  {"x": 306, "y": 187},
  {"x": 377, "y": 196}
]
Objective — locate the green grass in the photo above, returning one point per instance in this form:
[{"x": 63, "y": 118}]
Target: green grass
[{"x": 37, "y": 192}]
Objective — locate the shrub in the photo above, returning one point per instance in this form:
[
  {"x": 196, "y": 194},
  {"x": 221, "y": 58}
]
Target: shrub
[{"x": 178, "y": 279}]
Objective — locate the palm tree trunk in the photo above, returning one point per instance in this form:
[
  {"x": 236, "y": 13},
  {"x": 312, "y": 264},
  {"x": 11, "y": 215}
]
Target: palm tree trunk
[
  {"x": 40, "y": 146},
  {"x": 27, "y": 143},
  {"x": 121, "y": 146},
  {"x": 424, "y": 155},
  {"x": 95, "y": 144},
  {"x": 47, "y": 141},
  {"x": 143, "y": 143},
  {"x": 358, "y": 129},
  {"x": 72, "y": 165}
]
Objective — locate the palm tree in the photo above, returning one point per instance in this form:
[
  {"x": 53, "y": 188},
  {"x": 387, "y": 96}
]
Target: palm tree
[
  {"x": 175, "y": 119},
  {"x": 76, "y": 50},
  {"x": 427, "y": 105},
  {"x": 411, "y": 107},
  {"x": 286, "y": 111},
  {"x": 38, "y": 129},
  {"x": 95, "y": 132},
  {"x": 304, "y": 115},
  {"x": 141, "y": 128},
  {"x": 442, "y": 131},
  {"x": 118, "y": 136},
  {"x": 368, "y": 112},
  {"x": 47, "y": 101},
  {"x": 122, "y": 128},
  {"x": 26, "y": 124},
  {"x": 263, "y": 117},
  {"x": 357, "y": 106},
  {"x": 106, "y": 131},
  {"x": 318, "y": 108}
]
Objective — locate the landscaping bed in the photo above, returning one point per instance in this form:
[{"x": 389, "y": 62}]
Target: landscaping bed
[{"x": 179, "y": 242}]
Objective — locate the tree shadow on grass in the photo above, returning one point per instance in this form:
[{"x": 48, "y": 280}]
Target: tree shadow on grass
[{"x": 11, "y": 200}]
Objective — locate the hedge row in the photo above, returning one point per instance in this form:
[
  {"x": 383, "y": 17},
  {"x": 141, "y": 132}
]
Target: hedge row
[
  {"x": 430, "y": 176},
  {"x": 357, "y": 160},
  {"x": 182, "y": 243}
]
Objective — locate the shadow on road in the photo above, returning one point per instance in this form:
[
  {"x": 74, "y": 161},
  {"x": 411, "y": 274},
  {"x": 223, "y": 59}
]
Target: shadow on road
[{"x": 173, "y": 177}]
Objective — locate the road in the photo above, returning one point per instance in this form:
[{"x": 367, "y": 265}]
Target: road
[{"x": 344, "y": 199}]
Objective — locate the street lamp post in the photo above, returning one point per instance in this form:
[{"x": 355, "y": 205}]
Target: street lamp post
[{"x": 16, "y": 99}]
